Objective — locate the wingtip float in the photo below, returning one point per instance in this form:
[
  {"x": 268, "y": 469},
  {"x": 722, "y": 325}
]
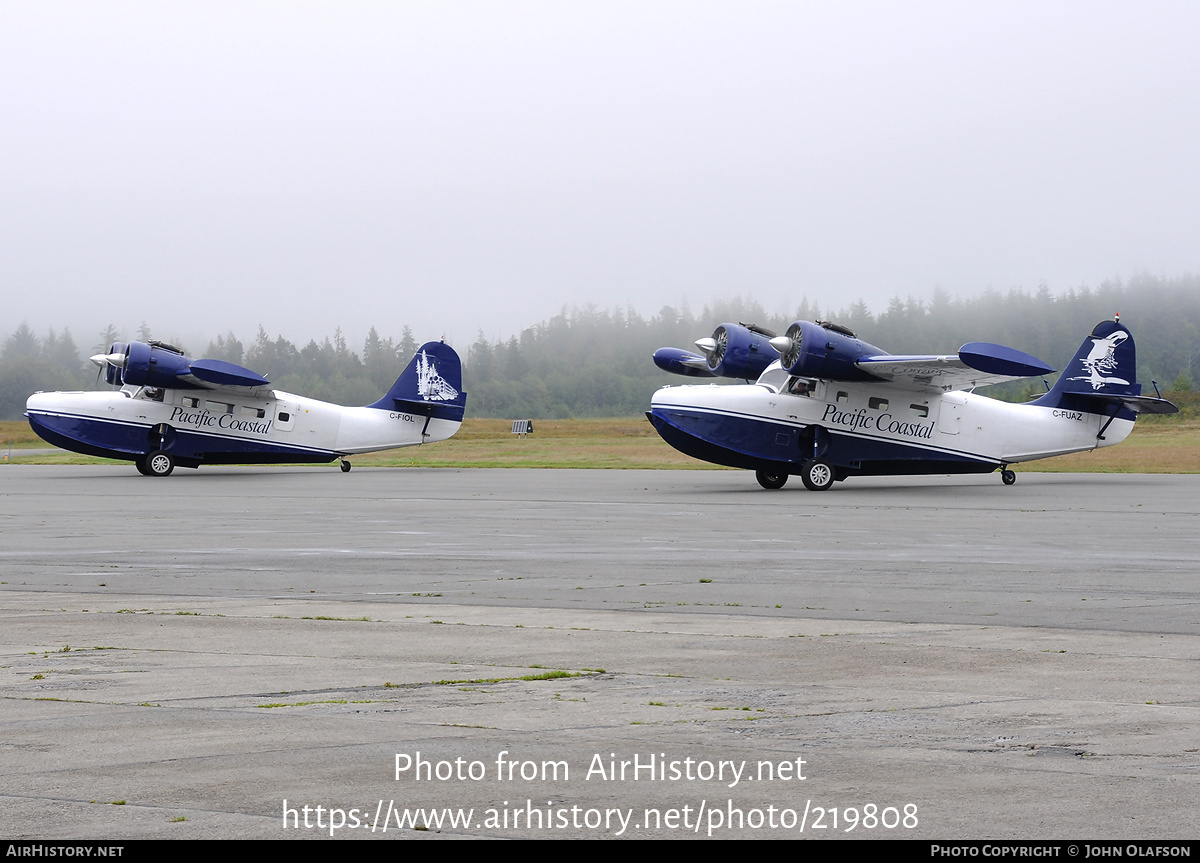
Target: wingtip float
[
  {"x": 826, "y": 405},
  {"x": 173, "y": 411}
]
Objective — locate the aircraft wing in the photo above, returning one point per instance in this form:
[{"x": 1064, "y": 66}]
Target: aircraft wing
[
  {"x": 976, "y": 364},
  {"x": 156, "y": 364},
  {"x": 218, "y": 374}
]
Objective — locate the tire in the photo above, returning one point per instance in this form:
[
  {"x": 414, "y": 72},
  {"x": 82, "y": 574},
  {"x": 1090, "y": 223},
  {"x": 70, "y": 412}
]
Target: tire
[
  {"x": 140, "y": 464},
  {"x": 818, "y": 475},
  {"x": 159, "y": 463},
  {"x": 345, "y": 467},
  {"x": 771, "y": 479},
  {"x": 1008, "y": 477}
]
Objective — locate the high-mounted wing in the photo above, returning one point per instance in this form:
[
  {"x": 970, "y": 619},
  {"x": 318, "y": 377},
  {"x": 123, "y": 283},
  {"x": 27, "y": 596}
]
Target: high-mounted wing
[
  {"x": 824, "y": 350},
  {"x": 160, "y": 365},
  {"x": 976, "y": 364},
  {"x": 218, "y": 373}
]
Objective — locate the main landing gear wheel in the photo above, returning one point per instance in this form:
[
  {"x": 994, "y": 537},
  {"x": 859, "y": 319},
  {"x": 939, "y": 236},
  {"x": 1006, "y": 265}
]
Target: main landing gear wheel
[
  {"x": 140, "y": 464},
  {"x": 345, "y": 466},
  {"x": 158, "y": 463},
  {"x": 818, "y": 475},
  {"x": 770, "y": 478},
  {"x": 1007, "y": 476}
]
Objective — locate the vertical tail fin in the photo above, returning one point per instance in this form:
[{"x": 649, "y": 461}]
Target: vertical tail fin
[
  {"x": 1104, "y": 365},
  {"x": 430, "y": 386}
]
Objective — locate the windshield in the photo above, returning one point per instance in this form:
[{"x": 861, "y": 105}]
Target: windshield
[{"x": 774, "y": 378}]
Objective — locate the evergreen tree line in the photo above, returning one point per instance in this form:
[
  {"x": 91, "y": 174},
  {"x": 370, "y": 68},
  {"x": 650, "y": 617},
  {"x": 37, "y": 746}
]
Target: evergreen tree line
[{"x": 591, "y": 362}]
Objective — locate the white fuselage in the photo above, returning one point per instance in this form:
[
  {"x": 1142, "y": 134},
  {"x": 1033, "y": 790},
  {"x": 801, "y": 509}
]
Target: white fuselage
[
  {"x": 218, "y": 422},
  {"x": 885, "y": 417}
]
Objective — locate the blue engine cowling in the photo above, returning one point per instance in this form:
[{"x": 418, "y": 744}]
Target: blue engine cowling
[
  {"x": 157, "y": 364},
  {"x": 812, "y": 350},
  {"x": 153, "y": 366},
  {"x": 738, "y": 351}
]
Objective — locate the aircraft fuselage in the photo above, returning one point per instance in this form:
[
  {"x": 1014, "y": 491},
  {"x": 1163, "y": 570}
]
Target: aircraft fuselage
[
  {"x": 200, "y": 427},
  {"x": 782, "y": 421}
]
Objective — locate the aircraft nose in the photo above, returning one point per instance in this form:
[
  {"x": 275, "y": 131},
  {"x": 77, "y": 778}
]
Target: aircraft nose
[{"x": 35, "y": 401}]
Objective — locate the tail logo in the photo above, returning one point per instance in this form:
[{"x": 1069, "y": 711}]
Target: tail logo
[
  {"x": 431, "y": 386},
  {"x": 1102, "y": 361}
]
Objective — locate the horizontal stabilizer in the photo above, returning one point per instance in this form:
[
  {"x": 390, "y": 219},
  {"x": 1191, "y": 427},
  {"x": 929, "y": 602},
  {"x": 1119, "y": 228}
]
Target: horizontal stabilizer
[{"x": 1137, "y": 404}]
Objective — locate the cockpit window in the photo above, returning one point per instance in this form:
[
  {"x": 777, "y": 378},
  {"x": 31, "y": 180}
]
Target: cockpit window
[
  {"x": 801, "y": 386},
  {"x": 774, "y": 379}
]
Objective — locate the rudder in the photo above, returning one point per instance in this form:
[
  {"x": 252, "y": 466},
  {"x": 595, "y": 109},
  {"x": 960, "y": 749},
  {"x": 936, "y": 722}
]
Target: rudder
[
  {"x": 431, "y": 385},
  {"x": 1104, "y": 365}
]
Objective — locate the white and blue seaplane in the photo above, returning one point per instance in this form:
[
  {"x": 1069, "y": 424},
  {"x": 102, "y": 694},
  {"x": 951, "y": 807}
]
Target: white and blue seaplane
[
  {"x": 172, "y": 410},
  {"x": 827, "y": 406}
]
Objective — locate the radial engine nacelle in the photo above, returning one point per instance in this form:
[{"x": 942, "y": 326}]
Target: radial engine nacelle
[
  {"x": 823, "y": 350},
  {"x": 156, "y": 364},
  {"x": 733, "y": 351}
]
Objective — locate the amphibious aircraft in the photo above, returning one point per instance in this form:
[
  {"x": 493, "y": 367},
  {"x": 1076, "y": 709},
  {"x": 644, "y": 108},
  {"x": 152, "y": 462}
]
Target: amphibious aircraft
[
  {"x": 827, "y": 405},
  {"x": 172, "y": 410}
]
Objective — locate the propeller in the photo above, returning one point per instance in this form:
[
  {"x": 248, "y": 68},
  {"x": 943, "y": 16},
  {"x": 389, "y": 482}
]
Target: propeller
[
  {"x": 788, "y": 346},
  {"x": 714, "y": 348},
  {"x": 112, "y": 360}
]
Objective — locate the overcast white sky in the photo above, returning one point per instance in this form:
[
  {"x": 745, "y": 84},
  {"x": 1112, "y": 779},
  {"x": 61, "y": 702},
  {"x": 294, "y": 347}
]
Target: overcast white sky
[{"x": 459, "y": 166}]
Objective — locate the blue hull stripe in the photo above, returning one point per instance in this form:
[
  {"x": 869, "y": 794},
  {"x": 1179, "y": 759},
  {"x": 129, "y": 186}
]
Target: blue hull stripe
[
  {"x": 749, "y": 441},
  {"x": 122, "y": 439},
  {"x": 663, "y": 410}
]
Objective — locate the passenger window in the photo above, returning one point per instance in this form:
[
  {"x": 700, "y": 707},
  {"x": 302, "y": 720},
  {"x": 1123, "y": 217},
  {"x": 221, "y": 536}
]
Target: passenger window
[
  {"x": 284, "y": 417},
  {"x": 257, "y": 413},
  {"x": 842, "y": 397},
  {"x": 919, "y": 410},
  {"x": 877, "y": 404},
  {"x": 219, "y": 407},
  {"x": 189, "y": 402}
]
